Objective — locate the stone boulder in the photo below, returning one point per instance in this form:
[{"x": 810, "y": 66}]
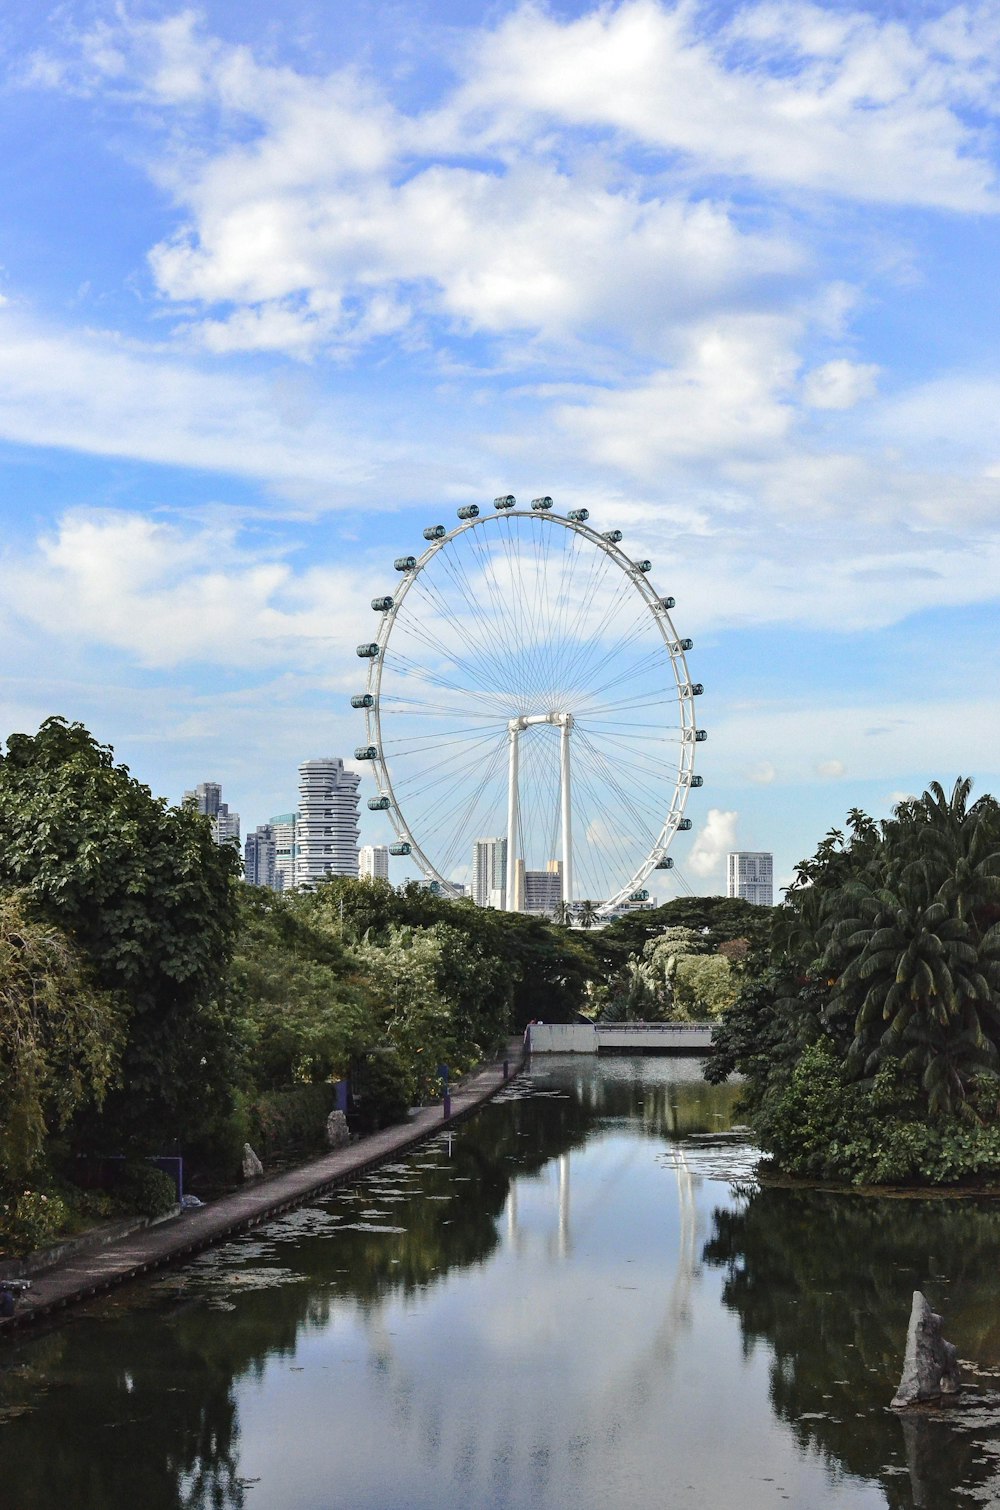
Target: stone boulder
[
  {"x": 252, "y": 1167},
  {"x": 337, "y": 1133},
  {"x": 930, "y": 1367}
]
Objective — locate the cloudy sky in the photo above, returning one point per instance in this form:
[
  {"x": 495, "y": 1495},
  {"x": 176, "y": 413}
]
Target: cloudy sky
[{"x": 276, "y": 293}]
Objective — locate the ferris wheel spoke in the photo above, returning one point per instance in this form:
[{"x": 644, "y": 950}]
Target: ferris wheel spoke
[{"x": 479, "y": 641}]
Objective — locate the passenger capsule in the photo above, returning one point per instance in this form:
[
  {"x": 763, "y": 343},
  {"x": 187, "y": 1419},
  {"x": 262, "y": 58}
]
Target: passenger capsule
[
  {"x": 399, "y": 849},
  {"x": 378, "y": 804},
  {"x": 696, "y": 781},
  {"x": 700, "y": 735},
  {"x": 679, "y": 645},
  {"x": 639, "y": 896},
  {"x": 405, "y": 563},
  {"x": 507, "y": 501},
  {"x": 665, "y": 864},
  {"x": 368, "y": 652},
  {"x": 362, "y": 700},
  {"x": 435, "y": 532},
  {"x": 366, "y": 752},
  {"x": 541, "y": 505},
  {"x": 613, "y": 535},
  {"x": 579, "y": 516},
  {"x": 469, "y": 511},
  {"x": 685, "y": 824},
  {"x": 382, "y": 605},
  {"x": 668, "y": 602},
  {"x": 692, "y": 689},
  {"x": 644, "y": 565}
]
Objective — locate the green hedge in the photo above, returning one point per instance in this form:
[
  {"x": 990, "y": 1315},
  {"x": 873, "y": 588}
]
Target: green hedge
[{"x": 294, "y": 1118}]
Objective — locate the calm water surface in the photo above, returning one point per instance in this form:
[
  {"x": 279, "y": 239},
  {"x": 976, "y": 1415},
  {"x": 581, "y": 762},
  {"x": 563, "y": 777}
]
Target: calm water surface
[{"x": 574, "y": 1300}]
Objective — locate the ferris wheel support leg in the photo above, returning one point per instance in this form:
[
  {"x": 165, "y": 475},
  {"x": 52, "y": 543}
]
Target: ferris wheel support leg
[
  {"x": 567, "y": 837},
  {"x": 512, "y": 816}
]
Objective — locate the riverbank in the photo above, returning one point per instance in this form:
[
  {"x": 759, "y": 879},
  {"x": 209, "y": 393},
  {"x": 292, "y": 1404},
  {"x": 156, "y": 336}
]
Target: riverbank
[{"x": 92, "y": 1269}]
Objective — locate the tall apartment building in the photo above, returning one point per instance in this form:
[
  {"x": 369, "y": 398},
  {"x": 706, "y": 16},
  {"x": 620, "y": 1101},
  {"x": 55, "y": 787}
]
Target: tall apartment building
[
  {"x": 259, "y": 855},
  {"x": 750, "y": 875},
  {"x": 327, "y": 832},
  {"x": 206, "y": 798},
  {"x": 373, "y": 862},
  {"x": 489, "y": 873},
  {"x": 286, "y": 853},
  {"x": 538, "y": 891}
]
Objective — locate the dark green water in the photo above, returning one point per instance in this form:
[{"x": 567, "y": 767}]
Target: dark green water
[{"x": 562, "y": 1304}]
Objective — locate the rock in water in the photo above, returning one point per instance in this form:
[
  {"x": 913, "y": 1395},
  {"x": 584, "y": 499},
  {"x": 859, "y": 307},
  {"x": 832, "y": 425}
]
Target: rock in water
[
  {"x": 252, "y": 1167},
  {"x": 930, "y": 1368},
  {"x": 337, "y": 1133}
]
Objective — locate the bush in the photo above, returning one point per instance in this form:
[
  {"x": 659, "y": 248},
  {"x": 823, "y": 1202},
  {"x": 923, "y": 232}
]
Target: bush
[
  {"x": 294, "y": 1118},
  {"x": 146, "y": 1190},
  {"x": 29, "y": 1221},
  {"x": 822, "y": 1125},
  {"x": 383, "y": 1092}
]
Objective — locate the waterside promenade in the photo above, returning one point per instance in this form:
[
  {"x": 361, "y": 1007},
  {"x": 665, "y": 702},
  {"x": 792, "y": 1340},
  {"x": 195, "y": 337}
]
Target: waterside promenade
[{"x": 91, "y": 1270}]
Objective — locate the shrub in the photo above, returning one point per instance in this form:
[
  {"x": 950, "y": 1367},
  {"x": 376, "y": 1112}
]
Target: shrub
[
  {"x": 146, "y": 1190},
  {"x": 383, "y": 1090},
  {"x": 29, "y": 1221},
  {"x": 293, "y": 1118}
]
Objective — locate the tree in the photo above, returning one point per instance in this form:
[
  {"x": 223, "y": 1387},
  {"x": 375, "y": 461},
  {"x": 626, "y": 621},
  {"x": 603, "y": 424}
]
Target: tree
[
  {"x": 148, "y": 900},
  {"x": 60, "y": 1039}
]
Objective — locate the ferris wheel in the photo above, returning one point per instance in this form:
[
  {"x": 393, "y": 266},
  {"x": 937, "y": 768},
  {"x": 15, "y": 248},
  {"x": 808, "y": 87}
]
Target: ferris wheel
[{"x": 527, "y": 691}]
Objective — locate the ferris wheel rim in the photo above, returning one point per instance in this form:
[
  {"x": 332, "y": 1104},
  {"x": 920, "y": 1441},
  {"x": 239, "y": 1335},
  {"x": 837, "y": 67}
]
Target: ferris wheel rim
[{"x": 672, "y": 642}]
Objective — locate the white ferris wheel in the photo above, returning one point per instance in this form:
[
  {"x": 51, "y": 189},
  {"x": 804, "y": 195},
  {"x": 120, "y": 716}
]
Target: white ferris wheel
[{"x": 526, "y": 684}]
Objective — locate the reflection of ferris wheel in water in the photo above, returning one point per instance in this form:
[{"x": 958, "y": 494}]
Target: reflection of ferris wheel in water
[{"x": 526, "y": 683}]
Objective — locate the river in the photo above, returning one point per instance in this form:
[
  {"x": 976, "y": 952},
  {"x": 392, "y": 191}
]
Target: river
[{"x": 576, "y": 1299}]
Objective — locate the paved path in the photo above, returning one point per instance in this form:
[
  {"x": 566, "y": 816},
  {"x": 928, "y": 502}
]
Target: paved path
[{"x": 87, "y": 1273}]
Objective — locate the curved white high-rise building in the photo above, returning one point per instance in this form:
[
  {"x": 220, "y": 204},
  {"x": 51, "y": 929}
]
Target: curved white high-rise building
[{"x": 327, "y": 832}]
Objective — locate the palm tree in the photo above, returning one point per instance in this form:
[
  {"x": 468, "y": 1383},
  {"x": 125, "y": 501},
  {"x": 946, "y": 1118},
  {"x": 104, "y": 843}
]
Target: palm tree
[
  {"x": 588, "y": 914},
  {"x": 911, "y": 948}
]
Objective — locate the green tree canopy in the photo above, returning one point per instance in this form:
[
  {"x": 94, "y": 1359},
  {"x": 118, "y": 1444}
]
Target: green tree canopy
[{"x": 148, "y": 899}]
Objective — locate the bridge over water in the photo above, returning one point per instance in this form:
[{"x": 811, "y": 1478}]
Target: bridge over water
[{"x": 620, "y": 1038}]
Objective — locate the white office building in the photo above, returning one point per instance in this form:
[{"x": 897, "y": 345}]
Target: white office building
[
  {"x": 283, "y": 827},
  {"x": 373, "y": 862},
  {"x": 538, "y": 891},
  {"x": 206, "y": 798},
  {"x": 750, "y": 876},
  {"x": 327, "y": 831},
  {"x": 489, "y": 873}
]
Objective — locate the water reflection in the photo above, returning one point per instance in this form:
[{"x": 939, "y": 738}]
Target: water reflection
[
  {"x": 559, "y": 1303},
  {"x": 825, "y": 1281}
]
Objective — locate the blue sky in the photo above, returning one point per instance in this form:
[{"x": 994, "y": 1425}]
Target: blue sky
[{"x": 278, "y": 292}]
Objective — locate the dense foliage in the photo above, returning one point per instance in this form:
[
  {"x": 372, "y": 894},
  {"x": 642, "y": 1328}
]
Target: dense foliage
[{"x": 870, "y": 1044}]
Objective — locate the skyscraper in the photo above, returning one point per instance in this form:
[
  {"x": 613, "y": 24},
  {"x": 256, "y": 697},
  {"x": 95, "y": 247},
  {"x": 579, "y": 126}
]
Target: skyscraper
[
  {"x": 283, "y": 826},
  {"x": 539, "y": 891},
  {"x": 259, "y": 857},
  {"x": 750, "y": 876},
  {"x": 206, "y": 798},
  {"x": 489, "y": 873},
  {"x": 327, "y": 830},
  {"x": 373, "y": 862}
]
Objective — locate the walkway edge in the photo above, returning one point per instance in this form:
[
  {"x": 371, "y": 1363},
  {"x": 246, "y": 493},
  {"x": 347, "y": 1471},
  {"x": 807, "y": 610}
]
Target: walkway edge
[{"x": 90, "y": 1273}]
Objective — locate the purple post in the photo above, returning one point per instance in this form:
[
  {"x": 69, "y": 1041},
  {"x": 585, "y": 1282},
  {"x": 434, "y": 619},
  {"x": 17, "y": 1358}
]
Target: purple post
[
  {"x": 506, "y": 1069},
  {"x": 341, "y": 1088},
  {"x": 447, "y": 1104}
]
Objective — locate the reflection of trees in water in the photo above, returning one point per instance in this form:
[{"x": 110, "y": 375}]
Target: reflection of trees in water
[
  {"x": 137, "y": 1406},
  {"x": 826, "y": 1282}
]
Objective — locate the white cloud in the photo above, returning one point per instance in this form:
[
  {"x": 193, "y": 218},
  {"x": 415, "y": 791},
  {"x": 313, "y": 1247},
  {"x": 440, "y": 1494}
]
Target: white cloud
[
  {"x": 831, "y": 770},
  {"x": 839, "y": 384},
  {"x": 166, "y": 594},
  {"x": 762, "y": 774},
  {"x": 713, "y": 843}
]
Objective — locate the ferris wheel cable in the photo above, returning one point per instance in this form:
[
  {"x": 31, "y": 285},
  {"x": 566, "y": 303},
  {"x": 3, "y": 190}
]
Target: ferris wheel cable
[
  {"x": 642, "y": 757},
  {"x": 649, "y": 815},
  {"x": 460, "y": 755},
  {"x": 463, "y": 821},
  {"x": 421, "y": 673},
  {"x": 626, "y": 676},
  {"x": 577, "y": 629},
  {"x": 637, "y": 629},
  {"x": 446, "y": 799},
  {"x": 481, "y": 644},
  {"x": 420, "y": 632},
  {"x": 626, "y": 705},
  {"x": 531, "y": 638},
  {"x": 412, "y": 740},
  {"x": 472, "y": 657},
  {"x": 501, "y": 614}
]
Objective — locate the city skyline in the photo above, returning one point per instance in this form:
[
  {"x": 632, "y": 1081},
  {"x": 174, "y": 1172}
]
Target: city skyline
[{"x": 242, "y": 367}]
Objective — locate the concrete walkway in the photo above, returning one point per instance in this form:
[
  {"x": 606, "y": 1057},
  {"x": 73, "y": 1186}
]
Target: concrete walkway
[{"x": 89, "y": 1272}]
